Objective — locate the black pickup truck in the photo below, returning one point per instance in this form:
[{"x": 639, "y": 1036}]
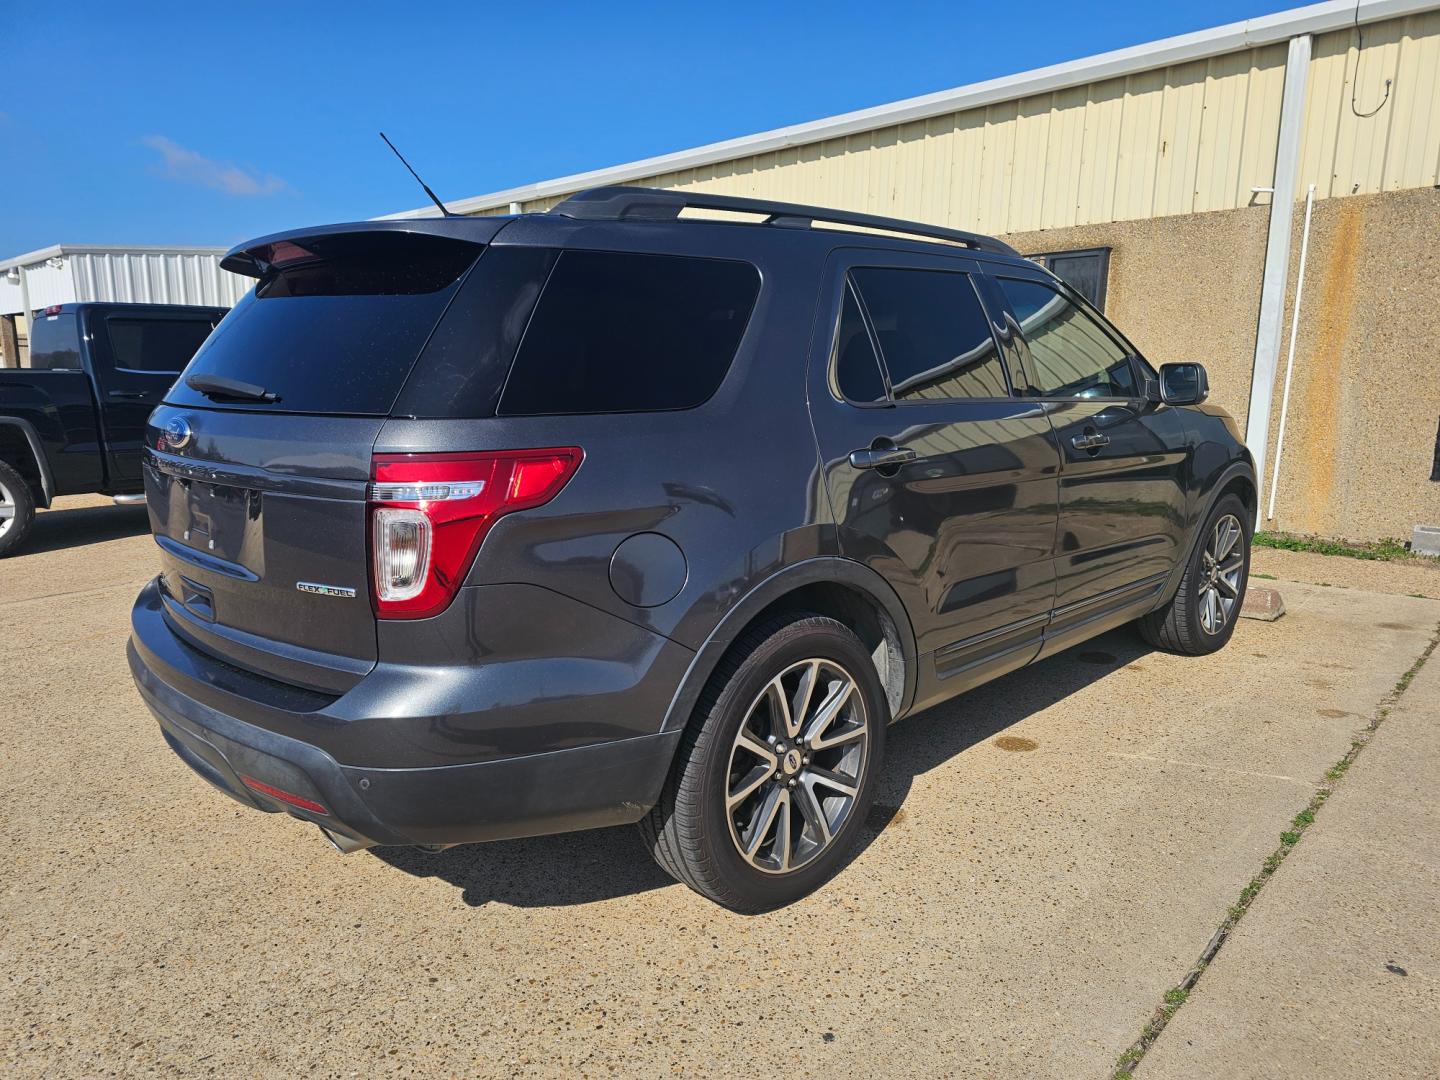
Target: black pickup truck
[{"x": 73, "y": 422}]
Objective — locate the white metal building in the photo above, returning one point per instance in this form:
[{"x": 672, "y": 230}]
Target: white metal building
[{"x": 71, "y": 273}]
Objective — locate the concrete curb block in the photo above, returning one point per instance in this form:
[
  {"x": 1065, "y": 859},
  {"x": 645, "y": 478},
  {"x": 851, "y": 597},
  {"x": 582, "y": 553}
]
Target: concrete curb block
[{"x": 1262, "y": 603}]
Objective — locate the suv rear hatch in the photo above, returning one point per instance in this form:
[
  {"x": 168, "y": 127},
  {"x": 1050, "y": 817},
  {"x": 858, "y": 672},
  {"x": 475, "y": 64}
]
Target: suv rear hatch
[{"x": 258, "y": 463}]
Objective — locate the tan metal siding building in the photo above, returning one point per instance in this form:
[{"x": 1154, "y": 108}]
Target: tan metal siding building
[{"x": 1166, "y": 154}]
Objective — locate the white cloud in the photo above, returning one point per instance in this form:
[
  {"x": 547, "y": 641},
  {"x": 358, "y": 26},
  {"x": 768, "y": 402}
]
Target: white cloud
[{"x": 188, "y": 167}]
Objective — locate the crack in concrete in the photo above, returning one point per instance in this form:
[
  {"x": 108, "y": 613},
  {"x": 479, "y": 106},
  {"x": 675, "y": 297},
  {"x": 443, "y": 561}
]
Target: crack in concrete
[
  {"x": 75, "y": 592},
  {"x": 1204, "y": 766},
  {"x": 1132, "y": 1058}
]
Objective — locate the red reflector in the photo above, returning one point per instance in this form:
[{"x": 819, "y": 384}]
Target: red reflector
[
  {"x": 534, "y": 478},
  {"x": 284, "y": 796},
  {"x": 430, "y": 513}
]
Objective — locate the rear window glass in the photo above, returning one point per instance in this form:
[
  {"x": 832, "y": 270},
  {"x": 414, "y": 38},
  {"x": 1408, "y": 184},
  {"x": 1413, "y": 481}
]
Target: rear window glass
[
  {"x": 617, "y": 332},
  {"x": 337, "y": 329},
  {"x": 164, "y": 345},
  {"x": 55, "y": 342}
]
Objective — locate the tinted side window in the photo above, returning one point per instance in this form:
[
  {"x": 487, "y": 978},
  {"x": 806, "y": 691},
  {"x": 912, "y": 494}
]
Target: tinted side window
[
  {"x": 465, "y": 362},
  {"x": 857, "y": 368},
  {"x": 55, "y": 341},
  {"x": 934, "y": 336},
  {"x": 618, "y": 332},
  {"x": 1071, "y": 355},
  {"x": 164, "y": 345}
]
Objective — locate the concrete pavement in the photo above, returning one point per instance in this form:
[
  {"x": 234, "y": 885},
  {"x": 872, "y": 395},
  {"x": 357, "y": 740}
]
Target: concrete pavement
[
  {"x": 1335, "y": 970},
  {"x": 1011, "y": 911}
]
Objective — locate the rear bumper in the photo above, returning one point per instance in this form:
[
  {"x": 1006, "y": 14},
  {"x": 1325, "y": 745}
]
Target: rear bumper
[{"x": 605, "y": 783}]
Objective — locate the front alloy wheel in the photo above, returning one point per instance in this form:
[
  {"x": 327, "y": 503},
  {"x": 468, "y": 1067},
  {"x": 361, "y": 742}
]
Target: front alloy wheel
[
  {"x": 1200, "y": 617},
  {"x": 1222, "y": 562},
  {"x": 795, "y": 766}
]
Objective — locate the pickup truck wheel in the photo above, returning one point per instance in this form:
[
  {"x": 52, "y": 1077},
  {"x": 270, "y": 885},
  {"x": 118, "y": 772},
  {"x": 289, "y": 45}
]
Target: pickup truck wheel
[
  {"x": 17, "y": 510},
  {"x": 1201, "y": 616},
  {"x": 775, "y": 774}
]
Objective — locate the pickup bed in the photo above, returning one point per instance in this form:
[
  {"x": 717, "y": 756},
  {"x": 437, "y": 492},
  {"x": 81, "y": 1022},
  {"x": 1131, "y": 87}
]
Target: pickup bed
[{"x": 73, "y": 422}]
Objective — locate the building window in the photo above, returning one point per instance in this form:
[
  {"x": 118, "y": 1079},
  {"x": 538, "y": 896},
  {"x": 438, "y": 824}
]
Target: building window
[{"x": 1086, "y": 271}]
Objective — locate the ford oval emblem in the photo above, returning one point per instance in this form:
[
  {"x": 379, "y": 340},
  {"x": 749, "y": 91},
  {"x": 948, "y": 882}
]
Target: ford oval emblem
[{"x": 177, "y": 432}]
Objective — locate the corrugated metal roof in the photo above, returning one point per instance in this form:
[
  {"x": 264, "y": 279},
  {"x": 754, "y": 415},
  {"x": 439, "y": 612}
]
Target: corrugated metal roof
[
  {"x": 41, "y": 254},
  {"x": 67, "y": 273}
]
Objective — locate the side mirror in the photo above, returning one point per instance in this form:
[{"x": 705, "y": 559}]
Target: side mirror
[{"x": 1183, "y": 384}]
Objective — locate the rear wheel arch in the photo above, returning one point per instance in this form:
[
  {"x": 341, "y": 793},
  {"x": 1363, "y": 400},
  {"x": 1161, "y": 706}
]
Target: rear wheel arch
[
  {"x": 842, "y": 589},
  {"x": 20, "y": 449}
]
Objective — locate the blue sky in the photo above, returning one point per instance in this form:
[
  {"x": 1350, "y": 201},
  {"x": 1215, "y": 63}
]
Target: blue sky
[{"x": 208, "y": 123}]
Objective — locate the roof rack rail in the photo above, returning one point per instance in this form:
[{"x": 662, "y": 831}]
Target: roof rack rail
[{"x": 615, "y": 203}]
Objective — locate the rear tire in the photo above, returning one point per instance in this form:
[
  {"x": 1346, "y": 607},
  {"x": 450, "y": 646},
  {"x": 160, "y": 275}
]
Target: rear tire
[
  {"x": 17, "y": 510},
  {"x": 775, "y": 774},
  {"x": 1200, "y": 618}
]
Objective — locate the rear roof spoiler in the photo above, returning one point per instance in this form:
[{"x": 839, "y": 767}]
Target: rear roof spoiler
[{"x": 245, "y": 258}]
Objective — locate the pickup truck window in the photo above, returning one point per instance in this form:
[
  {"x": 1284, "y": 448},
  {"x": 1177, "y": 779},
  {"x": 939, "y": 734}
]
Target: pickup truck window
[
  {"x": 163, "y": 345},
  {"x": 55, "y": 342}
]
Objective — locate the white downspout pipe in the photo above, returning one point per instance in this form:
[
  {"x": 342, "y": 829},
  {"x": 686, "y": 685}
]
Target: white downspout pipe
[
  {"x": 29, "y": 318},
  {"x": 1277, "y": 252},
  {"x": 1290, "y": 359}
]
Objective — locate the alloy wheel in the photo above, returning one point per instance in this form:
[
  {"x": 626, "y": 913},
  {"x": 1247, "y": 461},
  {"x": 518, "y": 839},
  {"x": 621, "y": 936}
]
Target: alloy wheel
[
  {"x": 7, "y": 508},
  {"x": 1220, "y": 567},
  {"x": 796, "y": 766}
]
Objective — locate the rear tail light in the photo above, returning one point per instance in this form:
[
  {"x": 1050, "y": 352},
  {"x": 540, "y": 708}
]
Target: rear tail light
[{"x": 430, "y": 513}]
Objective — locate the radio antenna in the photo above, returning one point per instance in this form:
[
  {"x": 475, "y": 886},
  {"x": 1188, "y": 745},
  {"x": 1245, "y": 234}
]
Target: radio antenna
[{"x": 433, "y": 197}]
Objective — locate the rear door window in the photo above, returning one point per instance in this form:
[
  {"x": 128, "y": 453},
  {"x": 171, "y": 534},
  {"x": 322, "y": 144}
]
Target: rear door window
[
  {"x": 934, "y": 336},
  {"x": 621, "y": 332},
  {"x": 1071, "y": 355},
  {"x": 162, "y": 346},
  {"x": 337, "y": 327}
]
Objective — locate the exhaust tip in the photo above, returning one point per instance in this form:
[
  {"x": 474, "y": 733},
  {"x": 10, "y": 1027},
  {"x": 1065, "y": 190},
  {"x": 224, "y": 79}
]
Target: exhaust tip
[
  {"x": 129, "y": 500},
  {"x": 342, "y": 843}
]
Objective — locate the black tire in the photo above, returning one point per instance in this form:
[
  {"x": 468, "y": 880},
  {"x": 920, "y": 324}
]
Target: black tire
[
  {"x": 690, "y": 830},
  {"x": 1179, "y": 626},
  {"x": 15, "y": 496}
]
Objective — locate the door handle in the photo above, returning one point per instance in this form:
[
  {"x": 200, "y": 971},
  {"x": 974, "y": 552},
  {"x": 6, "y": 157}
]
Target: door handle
[
  {"x": 128, "y": 395},
  {"x": 1091, "y": 440},
  {"x": 880, "y": 457}
]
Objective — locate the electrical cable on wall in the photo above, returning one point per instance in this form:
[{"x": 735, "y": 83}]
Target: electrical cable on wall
[{"x": 1355, "y": 85}]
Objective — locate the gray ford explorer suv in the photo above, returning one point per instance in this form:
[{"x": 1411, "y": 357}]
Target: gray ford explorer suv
[{"x": 475, "y": 528}]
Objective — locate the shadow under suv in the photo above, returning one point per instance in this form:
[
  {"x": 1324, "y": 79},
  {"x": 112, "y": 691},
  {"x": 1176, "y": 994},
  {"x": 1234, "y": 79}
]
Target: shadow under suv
[{"x": 477, "y": 528}]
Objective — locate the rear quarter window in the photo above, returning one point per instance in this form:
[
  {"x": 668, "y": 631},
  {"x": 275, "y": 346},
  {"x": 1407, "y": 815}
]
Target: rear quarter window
[{"x": 621, "y": 332}]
